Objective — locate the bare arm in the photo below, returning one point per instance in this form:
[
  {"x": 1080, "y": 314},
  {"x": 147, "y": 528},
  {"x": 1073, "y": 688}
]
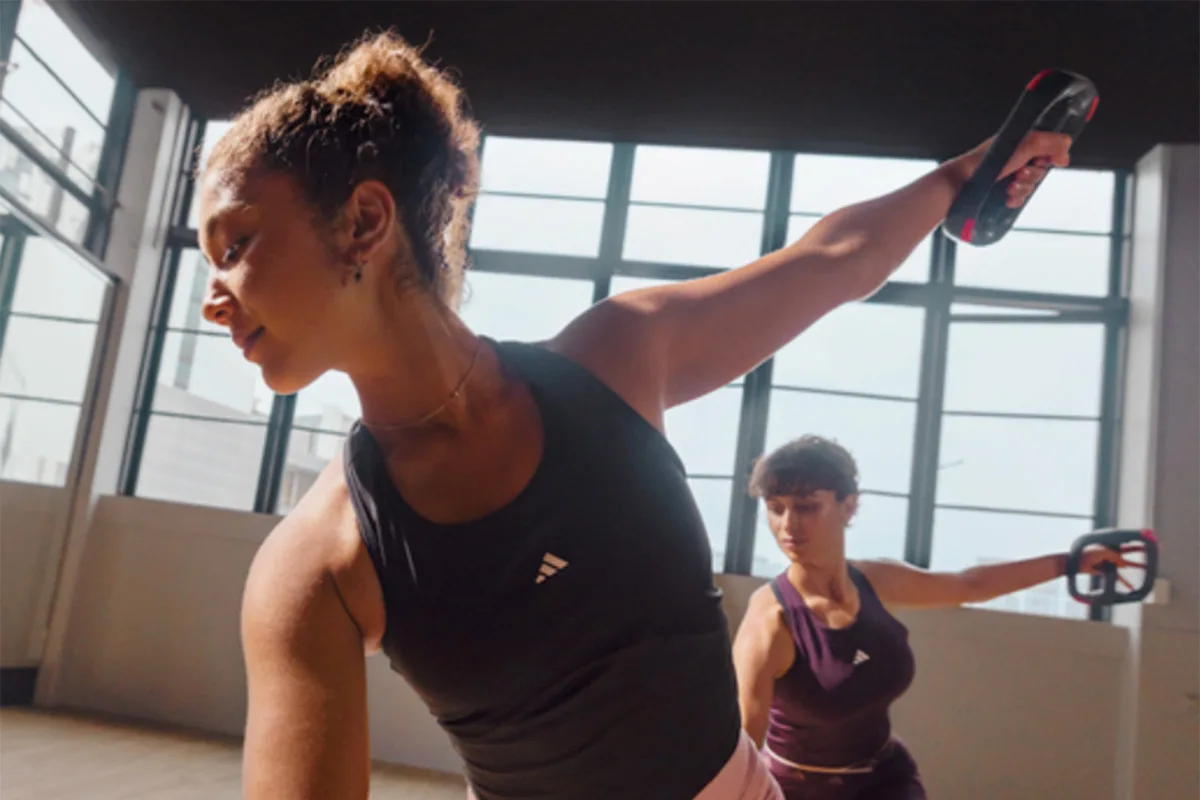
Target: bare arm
[
  {"x": 306, "y": 732},
  {"x": 903, "y": 585},
  {"x": 762, "y": 652},
  {"x": 663, "y": 346}
]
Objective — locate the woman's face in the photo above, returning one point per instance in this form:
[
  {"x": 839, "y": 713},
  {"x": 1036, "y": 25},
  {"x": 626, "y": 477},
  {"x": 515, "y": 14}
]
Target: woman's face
[
  {"x": 281, "y": 284},
  {"x": 810, "y": 527}
]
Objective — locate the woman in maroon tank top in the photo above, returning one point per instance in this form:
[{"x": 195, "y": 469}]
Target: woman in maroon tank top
[{"x": 819, "y": 658}]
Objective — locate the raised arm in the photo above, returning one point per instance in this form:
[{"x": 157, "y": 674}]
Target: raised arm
[
  {"x": 306, "y": 731},
  {"x": 762, "y": 652},
  {"x": 665, "y": 345},
  {"x": 903, "y": 585}
]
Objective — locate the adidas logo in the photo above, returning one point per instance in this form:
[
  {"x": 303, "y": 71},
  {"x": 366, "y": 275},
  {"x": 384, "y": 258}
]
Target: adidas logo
[
  {"x": 860, "y": 657},
  {"x": 551, "y": 564}
]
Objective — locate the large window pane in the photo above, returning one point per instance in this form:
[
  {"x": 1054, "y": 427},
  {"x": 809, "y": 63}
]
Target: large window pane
[
  {"x": 964, "y": 539},
  {"x": 52, "y": 281},
  {"x": 693, "y": 237},
  {"x": 209, "y": 377},
  {"x": 48, "y": 36},
  {"x": 915, "y": 268},
  {"x": 545, "y": 166},
  {"x": 1026, "y": 464},
  {"x": 712, "y": 498},
  {"x": 877, "y": 531},
  {"x": 328, "y": 403},
  {"x": 861, "y": 347},
  {"x": 36, "y": 440},
  {"x": 1028, "y": 368},
  {"x": 1037, "y": 262},
  {"x": 44, "y": 112},
  {"x": 325, "y": 411},
  {"x": 536, "y": 225},
  {"x": 821, "y": 183},
  {"x": 694, "y": 176},
  {"x": 201, "y": 462},
  {"x": 1072, "y": 200},
  {"x": 46, "y": 358},
  {"x": 704, "y": 431},
  {"x": 522, "y": 307},
  {"x": 878, "y": 433}
]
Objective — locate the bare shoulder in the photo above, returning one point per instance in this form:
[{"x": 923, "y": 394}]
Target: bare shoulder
[
  {"x": 315, "y": 554},
  {"x": 763, "y": 611},
  {"x": 615, "y": 341}
]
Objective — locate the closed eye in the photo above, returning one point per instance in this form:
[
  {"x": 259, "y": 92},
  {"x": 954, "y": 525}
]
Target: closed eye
[{"x": 233, "y": 251}]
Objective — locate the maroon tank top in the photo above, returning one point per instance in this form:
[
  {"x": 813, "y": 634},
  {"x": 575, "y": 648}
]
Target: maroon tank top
[{"x": 831, "y": 708}]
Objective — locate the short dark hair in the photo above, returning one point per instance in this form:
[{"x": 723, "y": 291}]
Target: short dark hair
[
  {"x": 377, "y": 112},
  {"x": 803, "y": 466}
]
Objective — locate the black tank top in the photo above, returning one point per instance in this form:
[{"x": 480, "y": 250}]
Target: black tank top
[{"x": 572, "y": 643}]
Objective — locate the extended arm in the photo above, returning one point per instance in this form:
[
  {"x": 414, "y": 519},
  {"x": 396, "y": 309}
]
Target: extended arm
[
  {"x": 662, "y": 346},
  {"x": 903, "y": 585}
]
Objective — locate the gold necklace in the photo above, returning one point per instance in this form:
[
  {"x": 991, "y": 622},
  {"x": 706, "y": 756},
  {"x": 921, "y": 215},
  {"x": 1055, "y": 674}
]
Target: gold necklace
[{"x": 462, "y": 382}]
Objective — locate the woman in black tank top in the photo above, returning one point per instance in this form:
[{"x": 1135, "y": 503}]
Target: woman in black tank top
[{"x": 509, "y": 524}]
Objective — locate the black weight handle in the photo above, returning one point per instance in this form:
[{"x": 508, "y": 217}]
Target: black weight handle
[
  {"x": 1114, "y": 539},
  {"x": 1055, "y": 100}
]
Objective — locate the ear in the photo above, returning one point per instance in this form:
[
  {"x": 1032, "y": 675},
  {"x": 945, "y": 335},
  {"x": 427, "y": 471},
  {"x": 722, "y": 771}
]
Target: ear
[
  {"x": 850, "y": 507},
  {"x": 369, "y": 220}
]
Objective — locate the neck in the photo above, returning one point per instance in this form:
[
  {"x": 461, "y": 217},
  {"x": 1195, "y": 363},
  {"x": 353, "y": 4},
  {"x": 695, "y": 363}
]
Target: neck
[
  {"x": 414, "y": 360},
  {"x": 828, "y": 578}
]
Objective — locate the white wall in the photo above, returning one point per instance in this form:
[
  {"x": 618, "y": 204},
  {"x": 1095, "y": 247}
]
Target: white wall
[
  {"x": 153, "y": 634},
  {"x": 29, "y": 519},
  {"x": 1160, "y": 480}
]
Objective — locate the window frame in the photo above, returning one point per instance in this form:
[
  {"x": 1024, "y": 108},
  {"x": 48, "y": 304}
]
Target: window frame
[{"x": 936, "y": 297}]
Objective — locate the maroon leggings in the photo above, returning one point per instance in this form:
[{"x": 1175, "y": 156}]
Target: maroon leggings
[{"x": 895, "y": 777}]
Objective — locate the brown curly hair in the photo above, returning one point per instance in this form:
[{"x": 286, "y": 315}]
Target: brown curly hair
[
  {"x": 376, "y": 112},
  {"x": 803, "y": 466}
]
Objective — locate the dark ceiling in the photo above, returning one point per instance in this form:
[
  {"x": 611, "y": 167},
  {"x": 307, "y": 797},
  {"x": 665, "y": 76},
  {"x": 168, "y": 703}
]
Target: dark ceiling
[{"x": 904, "y": 78}]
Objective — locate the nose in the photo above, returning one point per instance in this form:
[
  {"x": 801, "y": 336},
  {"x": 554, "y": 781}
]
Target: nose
[{"x": 218, "y": 303}]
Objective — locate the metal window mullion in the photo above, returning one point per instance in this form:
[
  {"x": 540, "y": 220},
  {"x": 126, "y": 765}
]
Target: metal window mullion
[
  {"x": 274, "y": 458},
  {"x": 164, "y": 292},
  {"x": 756, "y": 391},
  {"x": 10, "y": 267},
  {"x": 616, "y": 217},
  {"x": 9, "y": 11},
  {"x": 1113, "y": 377},
  {"x": 918, "y": 544},
  {"x": 111, "y": 165}
]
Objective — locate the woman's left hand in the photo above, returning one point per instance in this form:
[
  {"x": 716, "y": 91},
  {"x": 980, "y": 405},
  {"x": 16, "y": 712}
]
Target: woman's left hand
[
  {"x": 1039, "y": 151},
  {"x": 1097, "y": 555}
]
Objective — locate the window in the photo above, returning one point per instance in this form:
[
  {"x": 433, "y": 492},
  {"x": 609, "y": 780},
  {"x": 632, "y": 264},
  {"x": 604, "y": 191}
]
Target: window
[
  {"x": 853, "y": 377},
  {"x": 325, "y": 411},
  {"x": 541, "y": 196},
  {"x": 1018, "y": 458},
  {"x": 208, "y": 416},
  {"x": 696, "y": 207},
  {"x": 822, "y": 184},
  {"x": 57, "y": 97},
  {"x": 54, "y": 304}
]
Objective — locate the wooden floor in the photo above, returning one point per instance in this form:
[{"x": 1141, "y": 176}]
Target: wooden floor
[{"x": 50, "y": 756}]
